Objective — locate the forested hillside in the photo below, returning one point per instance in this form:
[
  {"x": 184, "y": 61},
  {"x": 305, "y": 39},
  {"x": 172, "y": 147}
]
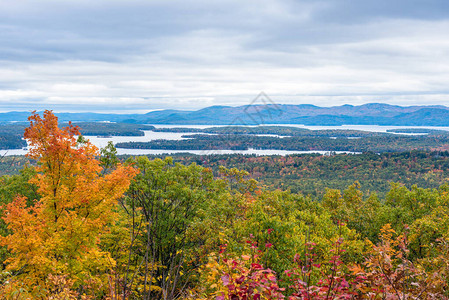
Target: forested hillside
[
  {"x": 311, "y": 174},
  {"x": 82, "y": 224},
  {"x": 298, "y": 139},
  {"x": 271, "y": 113},
  {"x": 11, "y": 136}
]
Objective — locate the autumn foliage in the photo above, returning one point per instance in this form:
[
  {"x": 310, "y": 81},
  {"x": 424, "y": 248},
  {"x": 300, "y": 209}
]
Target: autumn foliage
[
  {"x": 60, "y": 233},
  {"x": 386, "y": 274},
  {"x": 79, "y": 224}
]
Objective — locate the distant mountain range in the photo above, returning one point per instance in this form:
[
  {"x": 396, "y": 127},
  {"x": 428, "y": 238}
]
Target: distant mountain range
[{"x": 307, "y": 114}]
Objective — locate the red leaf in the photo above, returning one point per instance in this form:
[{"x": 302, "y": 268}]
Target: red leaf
[{"x": 240, "y": 279}]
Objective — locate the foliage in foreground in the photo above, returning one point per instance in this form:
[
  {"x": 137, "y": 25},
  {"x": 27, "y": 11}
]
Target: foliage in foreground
[
  {"x": 81, "y": 226},
  {"x": 59, "y": 234},
  {"x": 386, "y": 273}
]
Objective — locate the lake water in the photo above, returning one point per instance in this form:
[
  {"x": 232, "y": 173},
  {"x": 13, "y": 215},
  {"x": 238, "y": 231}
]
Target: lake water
[
  {"x": 122, "y": 151},
  {"x": 369, "y": 128},
  {"x": 101, "y": 142},
  {"x": 151, "y": 135}
]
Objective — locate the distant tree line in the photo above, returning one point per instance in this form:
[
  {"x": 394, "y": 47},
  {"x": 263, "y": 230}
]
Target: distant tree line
[{"x": 380, "y": 143}]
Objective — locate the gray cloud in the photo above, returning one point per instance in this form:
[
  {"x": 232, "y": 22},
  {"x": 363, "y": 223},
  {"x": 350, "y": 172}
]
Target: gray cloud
[{"x": 143, "y": 55}]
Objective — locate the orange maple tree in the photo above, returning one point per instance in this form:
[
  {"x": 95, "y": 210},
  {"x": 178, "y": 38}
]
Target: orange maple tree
[{"x": 60, "y": 233}]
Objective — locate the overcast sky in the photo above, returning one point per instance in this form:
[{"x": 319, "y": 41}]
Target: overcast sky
[{"x": 141, "y": 55}]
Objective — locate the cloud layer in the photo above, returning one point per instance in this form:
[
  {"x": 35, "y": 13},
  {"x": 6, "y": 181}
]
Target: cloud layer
[{"x": 140, "y": 55}]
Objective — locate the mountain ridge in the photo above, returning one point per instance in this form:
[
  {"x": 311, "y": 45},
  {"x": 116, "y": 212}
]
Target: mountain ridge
[{"x": 306, "y": 114}]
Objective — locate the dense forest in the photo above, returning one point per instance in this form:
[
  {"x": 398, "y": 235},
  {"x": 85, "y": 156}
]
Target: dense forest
[
  {"x": 11, "y": 134},
  {"x": 378, "y": 143},
  {"x": 111, "y": 129},
  {"x": 311, "y": 174},
  {"x": 280, "y": 131},
  {"x": 12, "y": 165},
  {"x": 79, "y": 223}
]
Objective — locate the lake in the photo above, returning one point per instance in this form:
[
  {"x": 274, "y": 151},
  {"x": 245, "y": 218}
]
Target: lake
[
  {"x": 151, "y": 135},
  {"x": 369, "y": 128}
]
